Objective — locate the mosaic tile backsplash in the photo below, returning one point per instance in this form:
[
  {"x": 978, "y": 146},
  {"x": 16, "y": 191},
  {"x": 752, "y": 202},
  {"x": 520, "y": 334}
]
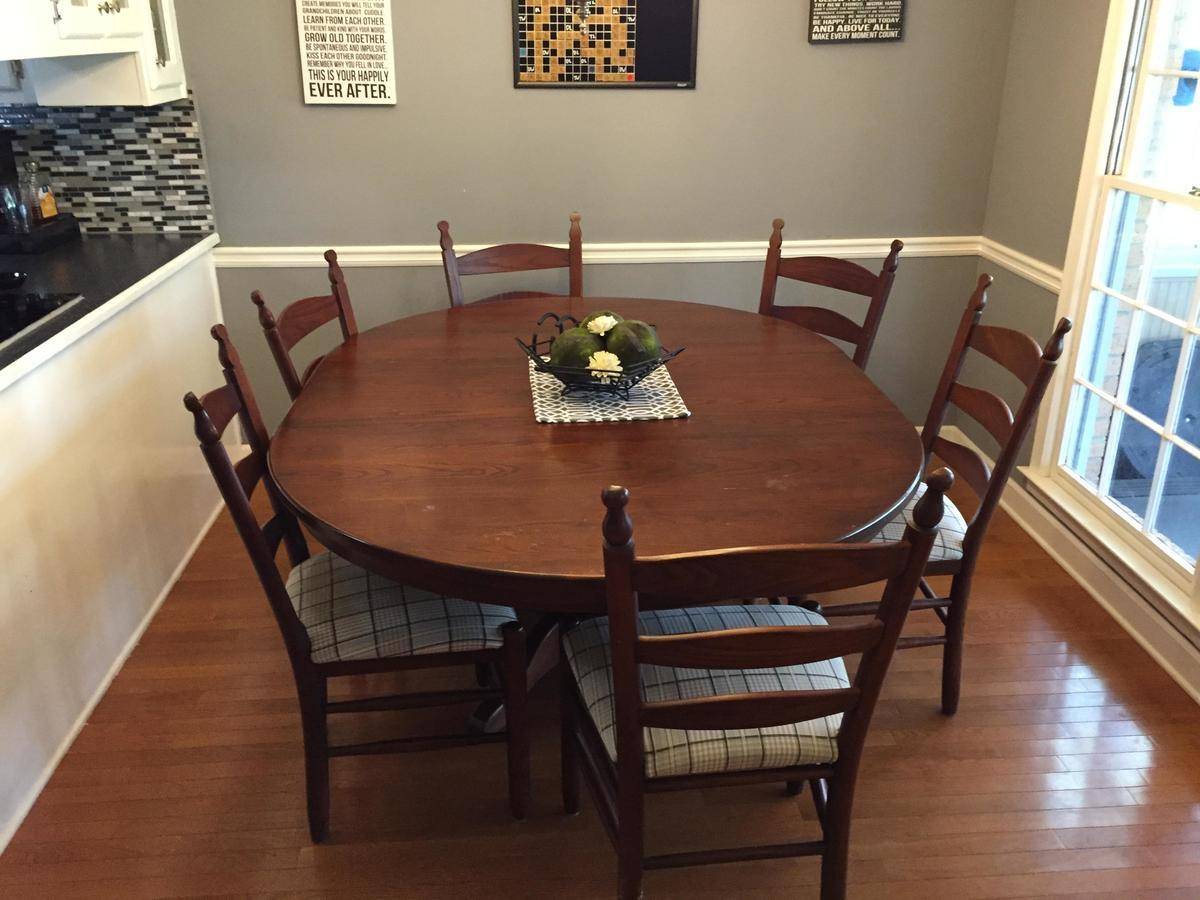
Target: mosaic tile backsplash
[{"x": 119, "y": 169}]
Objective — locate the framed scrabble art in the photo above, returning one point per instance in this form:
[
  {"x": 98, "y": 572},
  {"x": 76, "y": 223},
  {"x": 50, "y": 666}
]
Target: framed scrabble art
[{"x": 602, "y": 44}]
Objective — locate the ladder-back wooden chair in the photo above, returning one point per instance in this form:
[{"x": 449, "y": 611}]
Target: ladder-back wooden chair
[
  {"x": 302, "y": 318},
  {"x": 338, "y": 619},
  {"x": 661, "y": 700},
  {"x": 505, "y": 258},
  {"x": 839, "y": 274},
  {"x": 957, "y": 549}
]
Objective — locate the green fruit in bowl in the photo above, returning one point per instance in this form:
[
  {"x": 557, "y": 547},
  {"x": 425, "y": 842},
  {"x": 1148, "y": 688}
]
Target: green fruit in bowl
[
  {"x": 634, "y": 342},
  {"x": 597, "y": 314},
  {"x": 574, "y": 347}
]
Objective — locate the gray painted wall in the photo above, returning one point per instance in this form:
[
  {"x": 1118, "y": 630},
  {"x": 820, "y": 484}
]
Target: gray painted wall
[
  {"x": 843, "y": 141},
  {"x": 1053, "y": 58},
  {"x": 956, "y": 130}
]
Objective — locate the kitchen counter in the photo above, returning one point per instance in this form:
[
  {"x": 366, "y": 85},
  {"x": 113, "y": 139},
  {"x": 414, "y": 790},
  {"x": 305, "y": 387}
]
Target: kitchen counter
[{"x": 109, "y": 270}]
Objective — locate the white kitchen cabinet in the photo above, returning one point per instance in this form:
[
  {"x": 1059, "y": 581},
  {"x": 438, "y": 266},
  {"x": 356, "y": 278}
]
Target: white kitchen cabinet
[
  {"x": 92, "y": 19},
  {"x": 95, "y": 52},
  {"x": 149, "y": 72},
  {"x": 35, "y": 29}
]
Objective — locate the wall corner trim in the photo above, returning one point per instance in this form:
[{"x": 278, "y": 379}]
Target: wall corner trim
[
  {"x": 1033, "y": 270},
  {"x": 658, "y": 252}
]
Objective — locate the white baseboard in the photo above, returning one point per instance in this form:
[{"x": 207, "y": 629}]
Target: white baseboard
[
  {"x": 10, "y": 827},
  {"x": 1171, "y": 649}
]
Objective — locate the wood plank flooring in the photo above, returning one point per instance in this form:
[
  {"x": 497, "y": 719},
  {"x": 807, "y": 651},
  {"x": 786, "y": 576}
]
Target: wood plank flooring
[{"x": 1073, "y": 768}]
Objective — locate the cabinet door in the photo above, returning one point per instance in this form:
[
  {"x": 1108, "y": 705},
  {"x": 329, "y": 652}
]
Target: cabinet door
[
  {"x": 161, "y": 58},
  {"x": 80, "y": 18},
  {"x": 97, "y": 18},
  {"x": 124, "y": 17}
]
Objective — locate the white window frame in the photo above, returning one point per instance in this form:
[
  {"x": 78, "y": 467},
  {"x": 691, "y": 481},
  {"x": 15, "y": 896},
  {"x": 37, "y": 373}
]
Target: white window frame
[{"x": 1114, "y": 534}]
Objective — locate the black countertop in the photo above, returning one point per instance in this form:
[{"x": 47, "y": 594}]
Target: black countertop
[{"x": 99, "y": 267}]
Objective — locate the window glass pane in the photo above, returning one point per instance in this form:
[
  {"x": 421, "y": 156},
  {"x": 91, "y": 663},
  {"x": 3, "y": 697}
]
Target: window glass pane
[
  {"x": 1105, "y": 339},
  {"x": 1151, "y": 252},
  {"x": 1168, "y": 127},
  {"x": 1133, "y": 468},
  {"x": 1188, "y": 425},
  {"x": 1154, "y": 365},
  {"x": 1177, "y": 31},
  {"x": 1178, "y": 520},
  {"x": 1168, "y": 123},
  {"x": 1089, "y": 442}
]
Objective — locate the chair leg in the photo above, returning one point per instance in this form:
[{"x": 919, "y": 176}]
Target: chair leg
[
  {"x": 516, "y": 693},
  {"x": 794, "y": 788},
  {"x": 952, "y": 654},
  {"x": 483, "y": 675},
  {"x": 630, "y": 828},
  {"x": 629, "y": 860},
  {"x": 835, "y": 860},
  {"x": 316, "y": 755},
  {"x": 568, "y": 750}
]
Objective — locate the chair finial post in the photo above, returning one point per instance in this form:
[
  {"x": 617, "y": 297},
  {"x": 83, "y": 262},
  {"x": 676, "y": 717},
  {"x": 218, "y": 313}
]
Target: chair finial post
[
  {"x": 447, "y": 242},
  {"x": 930, "y": 509},
  {"x": 266, "y": 318},
  {"x": 226, "y": 352},
  {"x": 777, "y": 234},
  {"x": 1053, "y": 350},
  {"x": 206, "y": 432},
  {"x": 618, "y": 527}
]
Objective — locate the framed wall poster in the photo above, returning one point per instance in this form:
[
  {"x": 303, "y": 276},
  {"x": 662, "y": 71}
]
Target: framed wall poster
[
  {"x": 857, "y": 21},
  {"x": 346, "y": 51},
  {"x": 602, "y": 44}
]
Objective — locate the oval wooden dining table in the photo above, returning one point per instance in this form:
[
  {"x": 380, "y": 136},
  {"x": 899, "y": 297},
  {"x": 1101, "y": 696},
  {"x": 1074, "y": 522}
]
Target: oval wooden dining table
[{"x": 413, "y": 451}]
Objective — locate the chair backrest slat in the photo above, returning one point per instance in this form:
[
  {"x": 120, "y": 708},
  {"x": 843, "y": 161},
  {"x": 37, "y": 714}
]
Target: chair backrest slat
[
  {"x": 304, "y": 316},
  {"x": 760, "y": 710},
  {"x": 706, "y": 577},
  {"x": 823, "y": 321},
  {"x": 757, "y": 648},
  {"x": 986, "y": 408},
  {"x": 1015, "y": 350},
  {"x": 965, "y": 462},
  {"x": 839, "y": 274},
  {"x": 509, "y": 258},
  {"x": 1033, "y": 365},
  {"x": 513, "y": 258},
  {"x": 765, "y": 572},
  {"x": 301, "y": 318}
]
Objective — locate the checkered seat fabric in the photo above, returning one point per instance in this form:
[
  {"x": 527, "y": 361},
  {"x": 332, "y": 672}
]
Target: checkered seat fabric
[
  {"x": 675, "y": 752},
  {"x": 351, "y": 614},
  {"x": 951, "y": 531}
]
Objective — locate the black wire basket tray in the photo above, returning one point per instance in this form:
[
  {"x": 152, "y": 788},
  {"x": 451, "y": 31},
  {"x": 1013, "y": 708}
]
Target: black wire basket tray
[{"x": 586, "y": 381}]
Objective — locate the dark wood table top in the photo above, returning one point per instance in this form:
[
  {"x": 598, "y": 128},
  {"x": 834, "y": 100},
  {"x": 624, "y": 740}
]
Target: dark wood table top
[{"x": 414, "y": 451}]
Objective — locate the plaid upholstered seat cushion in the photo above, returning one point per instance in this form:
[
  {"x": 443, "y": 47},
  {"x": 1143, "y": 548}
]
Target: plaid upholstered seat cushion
[
  {"x": 350, "y": 613},
  {"x": 951, "y": 531},
  {"x": 674, "y": 752}
]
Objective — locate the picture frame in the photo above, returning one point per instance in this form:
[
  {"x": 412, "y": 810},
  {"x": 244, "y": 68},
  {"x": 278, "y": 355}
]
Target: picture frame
[{"x": 661, "y": 37}]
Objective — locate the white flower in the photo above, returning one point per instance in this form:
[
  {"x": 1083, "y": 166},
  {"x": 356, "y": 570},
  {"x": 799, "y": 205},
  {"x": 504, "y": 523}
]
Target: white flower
[
  {"x": 604, "y": 365},
  {"x": 602, "y": 325}
]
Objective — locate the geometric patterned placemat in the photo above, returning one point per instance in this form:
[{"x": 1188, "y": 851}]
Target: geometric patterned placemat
[{"x": 654, "y": 397}]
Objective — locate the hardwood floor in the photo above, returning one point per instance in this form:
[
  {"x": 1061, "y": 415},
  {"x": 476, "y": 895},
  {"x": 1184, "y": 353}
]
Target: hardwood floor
[{"x": 1070, "y": 769}]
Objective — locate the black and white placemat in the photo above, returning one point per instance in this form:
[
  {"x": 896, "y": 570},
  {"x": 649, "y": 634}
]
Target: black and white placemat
[{"x": 654, "y": 397}]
